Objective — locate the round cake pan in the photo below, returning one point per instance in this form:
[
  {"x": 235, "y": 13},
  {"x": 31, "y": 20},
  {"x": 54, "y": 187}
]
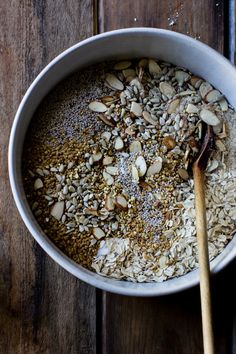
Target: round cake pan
[{"x": 165, "y": 45}]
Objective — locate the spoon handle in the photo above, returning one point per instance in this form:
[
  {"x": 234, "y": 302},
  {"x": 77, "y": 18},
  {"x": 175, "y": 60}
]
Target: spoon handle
[{"x": 204, "y": 267}]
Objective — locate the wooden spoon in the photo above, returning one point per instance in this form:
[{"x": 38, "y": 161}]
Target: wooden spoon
[{"x": 199, "y": 167}]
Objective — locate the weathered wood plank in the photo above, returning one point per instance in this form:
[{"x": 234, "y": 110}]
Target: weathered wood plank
[
  {"x": 169, "y": 324},
  {"x": 203, "y": 20},
  {"x": 43, "y": 309}
]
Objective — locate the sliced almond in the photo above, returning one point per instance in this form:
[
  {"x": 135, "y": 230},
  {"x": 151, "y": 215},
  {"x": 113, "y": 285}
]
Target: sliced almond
[
  {"x": 167, "y": 89},
  {"x": 173, "y": 106},
  {"x": 136, "y": 109},
  {"x": 213, "y": 96},
  {"x": 91, "y": 211},
  {"x": 57, "y": 210},
  {"x": 114, "y": 82},
  {"x": 106, "y": 136},
  {"x": 105, "y": 120},
  {"x": 121, "y": 65},
  {"x": 98, "y": 107},
  {"x": 108, "y": 178},
  {"x": 98, "y": 233},
  {"x": 121, "y": 202},
  {"x": 195, "y": 81},
  {"x": 181, "y": 77},
  {"x": 119, "y": 144},
  {"x": 191, "y": 108},
  {"x": 96, "y": 157},
  {"x": 112, "y": 170},
  {"x": 107, "y": 99},
  {"x": 135, "y": 146},
  {"x": 154, "y": 68},
  {"x": 109, "y": 203},
  {"x": 148, "y": 118},
  {"x": 107, "y": 160},
  {"x": 209, "y": 117},
  {"x": 38, "y": 184},
  {"x": 223, "y": 105},
  {"x": 155, "y": 167},
  {"x": 143, "y": 63},
  {"x": 204, "y": 88},
  {"x": 129, "y": 73},
  {"x": 169, "y": 142},
  {"x": 141, "y": 166},
  {"x": 183, "y": 174},
  {"x": 135, "y": 175}
]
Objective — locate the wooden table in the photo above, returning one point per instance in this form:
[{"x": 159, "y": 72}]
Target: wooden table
[{"x": 43, "y": 309}]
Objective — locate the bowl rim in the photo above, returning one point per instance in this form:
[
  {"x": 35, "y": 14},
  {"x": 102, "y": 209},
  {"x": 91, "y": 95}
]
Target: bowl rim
[{"x": 49, "y": 247}]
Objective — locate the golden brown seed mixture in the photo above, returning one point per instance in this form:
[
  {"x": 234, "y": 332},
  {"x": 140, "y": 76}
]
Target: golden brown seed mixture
[{"x": 109, "y": 179}]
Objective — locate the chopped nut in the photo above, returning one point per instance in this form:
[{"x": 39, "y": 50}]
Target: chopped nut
[
  {"x": 191, "y": 108},
  {"x": 98, "y": 233},
  {"x": 119, "y": 144},
  {"x": 136, "y": 109},
  {"x": 107, "y": 160},
  {"x": 57, "y": 210},
  {"x": 108, "y": 178},
  {"x": 38, "y": 184}
]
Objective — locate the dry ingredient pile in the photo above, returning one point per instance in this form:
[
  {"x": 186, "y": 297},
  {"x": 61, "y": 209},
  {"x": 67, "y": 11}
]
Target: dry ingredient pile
[{"x": 107, "y": 168}]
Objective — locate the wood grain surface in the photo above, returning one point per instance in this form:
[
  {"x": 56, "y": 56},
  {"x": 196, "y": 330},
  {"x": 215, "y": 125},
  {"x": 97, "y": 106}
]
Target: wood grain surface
[{"x": 43, "y": 309}]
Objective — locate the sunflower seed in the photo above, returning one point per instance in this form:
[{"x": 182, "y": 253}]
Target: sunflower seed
[{"x": 58, "y": 209}]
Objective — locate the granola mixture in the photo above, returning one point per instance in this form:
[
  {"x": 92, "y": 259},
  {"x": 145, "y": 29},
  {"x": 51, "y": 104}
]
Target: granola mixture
[{"x": 107, "y": 168}]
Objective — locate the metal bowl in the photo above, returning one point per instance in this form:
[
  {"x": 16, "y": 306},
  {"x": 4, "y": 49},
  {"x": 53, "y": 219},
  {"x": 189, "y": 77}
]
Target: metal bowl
[{"x": 126, "y": 43}]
